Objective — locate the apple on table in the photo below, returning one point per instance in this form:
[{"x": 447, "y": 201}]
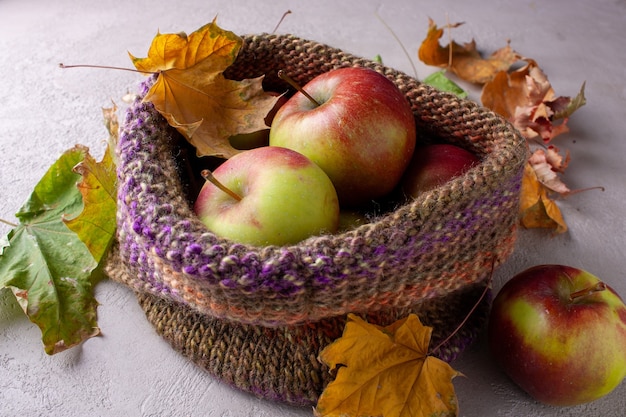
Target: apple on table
[
  {"x": 356, "y": 125},
  {"x": 560, "y": 334},
  {"x": 268, "y": 196}
]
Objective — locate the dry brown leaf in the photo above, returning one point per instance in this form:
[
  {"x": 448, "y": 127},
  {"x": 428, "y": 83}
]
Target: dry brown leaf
[
  {"x": 386, "y": 372},
  {"x": 526, "y": 98},
  {"x": 464, "y": 60},
  {"x": 546, "y": 164},
  {"x": 537, "y": 210},
  {"x": 192, "y": 93}
]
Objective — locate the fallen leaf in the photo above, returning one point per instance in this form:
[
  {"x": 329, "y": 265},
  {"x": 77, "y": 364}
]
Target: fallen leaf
[
  {"x": 526, "y": 98},
  {"x": 96, "y": 224},
  {"x": 537, "y": 210},
  {"x": 46, "y": 266},
  {"x": 441, "y": 82},
  {"x": 386, "y": 372},
  {"x": 464, "y": 60},
  {"x": 546, "y": 164},
  {"x": 192, "y": 93}
]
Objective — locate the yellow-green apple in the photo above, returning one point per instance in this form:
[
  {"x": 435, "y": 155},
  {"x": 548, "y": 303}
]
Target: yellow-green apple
[
  {"x": 560, "y": 334},
  {"x": 359, "y": 128},
  {"x": 268, "y": 196},
  {"x": 434, "y": 165}
]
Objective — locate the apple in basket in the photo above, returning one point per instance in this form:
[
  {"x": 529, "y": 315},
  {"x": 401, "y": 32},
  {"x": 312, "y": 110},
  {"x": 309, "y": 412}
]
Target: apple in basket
[
  {"x": 268, "y": 196},
  {"x": 560, "y": 334},
  {"x": 434, "y": 165},
  {"x": 356, "y": 125}
]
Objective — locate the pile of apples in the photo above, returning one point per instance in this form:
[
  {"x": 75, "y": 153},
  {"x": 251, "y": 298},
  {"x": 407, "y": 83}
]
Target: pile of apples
[
  {"x": 344, "y": 140},
  {"x": 348, "y": 138}
]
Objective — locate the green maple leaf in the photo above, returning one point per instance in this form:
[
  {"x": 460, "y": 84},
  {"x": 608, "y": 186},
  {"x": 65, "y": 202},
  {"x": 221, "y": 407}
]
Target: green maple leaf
[
  {"x": 441, "y": 82},
  {"x": 46, "y": 265}
]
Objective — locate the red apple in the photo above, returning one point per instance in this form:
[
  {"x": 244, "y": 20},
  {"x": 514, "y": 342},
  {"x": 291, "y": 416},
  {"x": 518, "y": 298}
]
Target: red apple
[
  {"x": 269, "y": 196},
  {"x": 434, "y": 165},
  {"x": 560, "y": 334},
  {"x": 362, "y": 133}
]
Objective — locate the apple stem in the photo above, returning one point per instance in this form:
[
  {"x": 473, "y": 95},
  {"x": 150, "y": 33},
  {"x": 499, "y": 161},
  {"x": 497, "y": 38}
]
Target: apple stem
[
  {"x": 208, "y": 175},
  {"x": 597, "y": 287},
  {"x": 291, "y": 82}
]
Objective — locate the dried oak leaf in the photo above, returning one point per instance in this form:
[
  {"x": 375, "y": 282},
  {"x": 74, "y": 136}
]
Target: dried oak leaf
[
  {"x": 526, "y": 98},
  {"x": 192, "y": 93},
  {"x": 464, "y": 60},
  {"x": 386, "y": 372},
  {"x": 537, "y": 210}
]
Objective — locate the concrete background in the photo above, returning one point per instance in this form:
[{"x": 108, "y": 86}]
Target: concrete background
[{"x": 44, "y": 110}]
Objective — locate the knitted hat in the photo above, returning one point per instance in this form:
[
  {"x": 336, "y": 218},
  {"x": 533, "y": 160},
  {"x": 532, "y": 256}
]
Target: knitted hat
[{"x": 257, "y": 317}]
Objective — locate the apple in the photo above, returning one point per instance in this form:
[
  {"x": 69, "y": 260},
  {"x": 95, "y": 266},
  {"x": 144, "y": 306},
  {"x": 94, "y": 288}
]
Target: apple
[
  {"x": 434, "y": 165},
  {"x": 357, "y": 126},
  {"x": 560, "y": 334},
  {"x": 268, "y": 196}
]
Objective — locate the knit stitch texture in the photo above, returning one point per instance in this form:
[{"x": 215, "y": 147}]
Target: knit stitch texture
[{"x": 257, "y": 317}]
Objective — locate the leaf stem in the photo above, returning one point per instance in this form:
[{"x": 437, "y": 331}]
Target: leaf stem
[
  {"x": 291, "y": 82},
  {"x": 406, "y": 53},
  {"x": 480, "y": 299},
  {"x": 62, "y": 65},
  {"x": 8, "y": 223},
  {"x": 208, "y": 175},
  {"x": 281, "y": 20}
]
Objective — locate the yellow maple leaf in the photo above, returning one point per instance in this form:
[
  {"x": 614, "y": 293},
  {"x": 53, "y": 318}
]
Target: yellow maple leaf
[
  {"x": 537, "y": 210},
  {"x": 386, "y": 371},
  {"x": 96, "y": 224},
  {"x": 192, "y": 93},
  {"x": 464, "y": 60}
]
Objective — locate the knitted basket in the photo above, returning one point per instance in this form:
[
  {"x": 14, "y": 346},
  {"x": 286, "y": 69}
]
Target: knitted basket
[{"x": 257, "y": 318}]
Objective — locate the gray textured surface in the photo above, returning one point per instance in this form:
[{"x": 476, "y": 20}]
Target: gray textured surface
[{"x": 44, "y": 110}]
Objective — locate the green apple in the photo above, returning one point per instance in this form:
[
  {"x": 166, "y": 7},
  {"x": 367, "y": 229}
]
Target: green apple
[
  {"x": 268, "y": 196},
  {"x": 357, "y": 126},
  {"x": 560, "y": 334}
]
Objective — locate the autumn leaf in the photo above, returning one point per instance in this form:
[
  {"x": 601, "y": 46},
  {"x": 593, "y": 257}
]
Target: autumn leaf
[
  {"x": 537, "y": 210},
  {"x": 463, "y": 60},
  {"x": 386, "y": 372},
  {"x": 96, "y": 224},
  {"x": 547, "y": 163},
  {"x": 192, "y": 93},
  {"x": 526, "y": 98},
  {"x": 46, "y": 265}
]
